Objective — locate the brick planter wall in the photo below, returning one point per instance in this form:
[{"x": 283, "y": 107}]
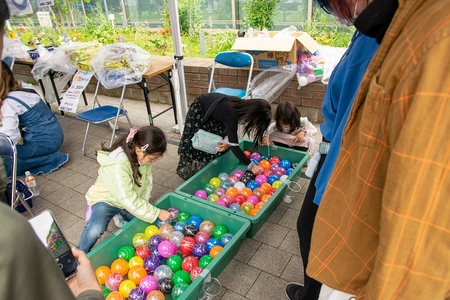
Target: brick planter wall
[{"x": 196, "y": 70}]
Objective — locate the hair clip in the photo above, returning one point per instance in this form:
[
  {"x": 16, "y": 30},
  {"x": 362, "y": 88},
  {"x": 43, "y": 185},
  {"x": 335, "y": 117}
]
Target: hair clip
[
  {"x": 130, "y": 135},
  {"x": 143, "y": 148}
]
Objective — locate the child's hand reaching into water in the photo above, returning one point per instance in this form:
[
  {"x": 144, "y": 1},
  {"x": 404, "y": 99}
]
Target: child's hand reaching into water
[{"x": 164, "y": 215}]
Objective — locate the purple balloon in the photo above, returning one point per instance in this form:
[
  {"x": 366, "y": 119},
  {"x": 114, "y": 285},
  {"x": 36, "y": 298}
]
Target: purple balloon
[
  {"x": 219, "y": 191},
  {"x": 155, "y": 240},
  {"x": 137, "y": 294},
  {"x": 199, "y": 250},
  {"x": 151, "y": 263}
]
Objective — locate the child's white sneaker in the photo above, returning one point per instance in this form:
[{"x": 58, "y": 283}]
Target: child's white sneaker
[{"x": 119, "y": 220}]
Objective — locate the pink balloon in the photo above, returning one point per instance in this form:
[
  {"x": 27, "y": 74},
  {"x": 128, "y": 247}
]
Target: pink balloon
[
  {"x": 201, "y": 194},
  {"x": 252, "y": 199},
  {"x": 167, "y": 248},
  {"x": 148, "y": 283}
]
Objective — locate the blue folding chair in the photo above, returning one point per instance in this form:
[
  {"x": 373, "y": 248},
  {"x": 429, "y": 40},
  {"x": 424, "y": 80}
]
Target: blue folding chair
[
  {"x": 15, "y": 197},
  {"x": 9, "y": 60},
  {"x": 236, "y": 60},
  {"x": 103, "y": 114}
]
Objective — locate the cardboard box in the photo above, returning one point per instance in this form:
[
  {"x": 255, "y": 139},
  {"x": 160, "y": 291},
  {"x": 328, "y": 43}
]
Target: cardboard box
[
  {"x": 275, "y": 51},
  {"x": 228, "y": 163}
]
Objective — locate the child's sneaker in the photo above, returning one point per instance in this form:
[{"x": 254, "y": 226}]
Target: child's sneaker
[{"x": 119, "y": 220}]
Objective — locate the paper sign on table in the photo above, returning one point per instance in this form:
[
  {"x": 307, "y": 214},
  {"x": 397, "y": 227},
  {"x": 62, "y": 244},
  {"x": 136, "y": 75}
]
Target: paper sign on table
[{"x": 71, "y": 98}]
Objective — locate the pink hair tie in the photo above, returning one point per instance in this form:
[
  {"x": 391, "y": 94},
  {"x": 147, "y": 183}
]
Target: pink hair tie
[{"x": 131, "y": 135}]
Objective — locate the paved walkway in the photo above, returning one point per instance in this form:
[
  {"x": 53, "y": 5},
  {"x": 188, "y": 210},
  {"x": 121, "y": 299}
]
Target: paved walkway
[{"x": 263, "y": 265}]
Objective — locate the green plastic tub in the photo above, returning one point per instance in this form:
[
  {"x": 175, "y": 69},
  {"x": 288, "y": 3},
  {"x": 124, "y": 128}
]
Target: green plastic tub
[
  {"x": 106, "y": 252},
  {"x": 228, "y": 163}
]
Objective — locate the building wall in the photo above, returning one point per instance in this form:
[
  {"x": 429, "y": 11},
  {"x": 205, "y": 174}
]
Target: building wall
[{"x": 308, "y": 99}]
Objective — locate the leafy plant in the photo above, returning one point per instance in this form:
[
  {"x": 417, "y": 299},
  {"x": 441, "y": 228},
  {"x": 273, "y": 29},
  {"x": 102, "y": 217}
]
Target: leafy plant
[
  {"x": 327, "y": 31},
  {"x": 260, "y": 13}
]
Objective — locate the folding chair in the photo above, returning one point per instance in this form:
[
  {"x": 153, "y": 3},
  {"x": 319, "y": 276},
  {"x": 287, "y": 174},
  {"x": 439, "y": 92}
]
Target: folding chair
[
  {"x": 8, "y": 151},
  {"x": 9, "y": 60},
  {"x": 103, "y": 114},
  {"x": 234, "y": 60}
]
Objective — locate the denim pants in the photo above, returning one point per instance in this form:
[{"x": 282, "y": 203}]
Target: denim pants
[{"x": 101, "y": 215}]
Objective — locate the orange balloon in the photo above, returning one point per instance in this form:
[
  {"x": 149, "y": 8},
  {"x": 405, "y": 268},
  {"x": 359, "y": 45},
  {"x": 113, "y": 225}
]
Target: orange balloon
[
  {"x": 259, "y": 205},
  {"x": 253, "y": 212},
  {"x": 265, "y": 164},
  {"x": 102, "y": 273},
  {"x": 265, "y": 187},
  {"x": 120, "y": 266},
  {"x": 155, "y": 295},
  {"x": 232, "y": 191},
  {"x": 246, "y": 192},
  {"x": 265, "y": 198},
  {"x": 136, "y": 274},
  {"x": 115, "y": 296},
  {"x": 215, "y": 251}
]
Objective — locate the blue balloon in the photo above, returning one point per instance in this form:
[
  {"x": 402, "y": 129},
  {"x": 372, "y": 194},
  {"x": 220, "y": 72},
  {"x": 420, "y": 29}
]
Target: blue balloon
[
  {"x": 212, "y": 242},
  {"x": 285, "y": 164},
  {"x": 226, "y": 238},
  {"x": 195, "y": 220},
  {"x": 272, "y": 178},
  {"x": 179, "y": 226},
  {"x": 252, "y": 184},
  {"x": 236, "y": 207}
]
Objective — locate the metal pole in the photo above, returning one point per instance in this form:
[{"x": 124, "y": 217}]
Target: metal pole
[
  {"x": 178, "y": 56},
  {"x": 233, "y": 13}
]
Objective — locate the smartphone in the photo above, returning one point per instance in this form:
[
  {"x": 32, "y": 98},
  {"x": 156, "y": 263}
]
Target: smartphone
[{"x": 50, "y": 234}]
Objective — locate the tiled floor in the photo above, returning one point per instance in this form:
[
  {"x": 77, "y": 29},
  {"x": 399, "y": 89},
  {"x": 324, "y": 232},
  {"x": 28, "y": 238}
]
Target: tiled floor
[{"x": 263, "y": 265}]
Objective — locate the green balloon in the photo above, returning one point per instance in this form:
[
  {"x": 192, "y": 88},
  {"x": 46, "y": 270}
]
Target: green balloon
[
  {"x": 219, "y": 230},
  {"x": 178, "y": 289},
  {"x": 174, "y": 262},
  {"x": 184, "y": 217},
  {"x": 106, "y": 291},
  {"x": 181, "y": 276},
  {"x": 126, "y": 252},
  {"x": 209, "y": 188},
  {"x": 204, "y": 261}
]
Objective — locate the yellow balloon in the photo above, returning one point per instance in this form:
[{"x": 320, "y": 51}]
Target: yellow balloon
[
  {"x": 136, "y": 261},
  {"x": 150, "y": 231},
  {"x": 126, "y": 286},
  {"x": 276, "y": 184}
]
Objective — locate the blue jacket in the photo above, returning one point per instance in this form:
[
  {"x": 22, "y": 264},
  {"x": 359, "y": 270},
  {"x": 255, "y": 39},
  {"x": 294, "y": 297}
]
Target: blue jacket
[{"x": 337, "y": 103}]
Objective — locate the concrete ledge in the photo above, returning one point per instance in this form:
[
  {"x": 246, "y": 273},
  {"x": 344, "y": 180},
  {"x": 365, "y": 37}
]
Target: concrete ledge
[{"x": 309, "y": 98}]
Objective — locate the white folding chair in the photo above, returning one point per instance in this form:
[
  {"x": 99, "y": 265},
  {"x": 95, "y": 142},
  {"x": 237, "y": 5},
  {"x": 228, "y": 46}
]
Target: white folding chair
[
  {"x": 8, "y": 151},
  {"x": 235, "y": 60},
  {"x": 103, "y": 114}
]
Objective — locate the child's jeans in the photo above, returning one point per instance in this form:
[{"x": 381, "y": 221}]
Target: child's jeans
[{"x": 101, "y": 215}]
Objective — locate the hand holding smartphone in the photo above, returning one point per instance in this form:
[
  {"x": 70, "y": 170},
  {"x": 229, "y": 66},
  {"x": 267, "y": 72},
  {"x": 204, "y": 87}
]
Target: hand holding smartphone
[{"x": 50, "y": 234}]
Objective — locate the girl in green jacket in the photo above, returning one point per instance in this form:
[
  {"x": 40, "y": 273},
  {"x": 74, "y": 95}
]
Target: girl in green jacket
[{"x": 124, "y": 183}]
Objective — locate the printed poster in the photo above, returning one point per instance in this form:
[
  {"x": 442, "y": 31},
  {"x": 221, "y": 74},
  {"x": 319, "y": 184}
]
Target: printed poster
[{"x": 80, "y": 80}]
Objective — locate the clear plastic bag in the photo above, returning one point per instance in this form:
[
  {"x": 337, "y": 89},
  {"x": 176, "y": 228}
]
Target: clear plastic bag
[
  {"x": 120, "y": 64},
  {"x": 15, "y": 48},
  {"x": 270, "y": 83},
  {"x": 67, "y": 58}
]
